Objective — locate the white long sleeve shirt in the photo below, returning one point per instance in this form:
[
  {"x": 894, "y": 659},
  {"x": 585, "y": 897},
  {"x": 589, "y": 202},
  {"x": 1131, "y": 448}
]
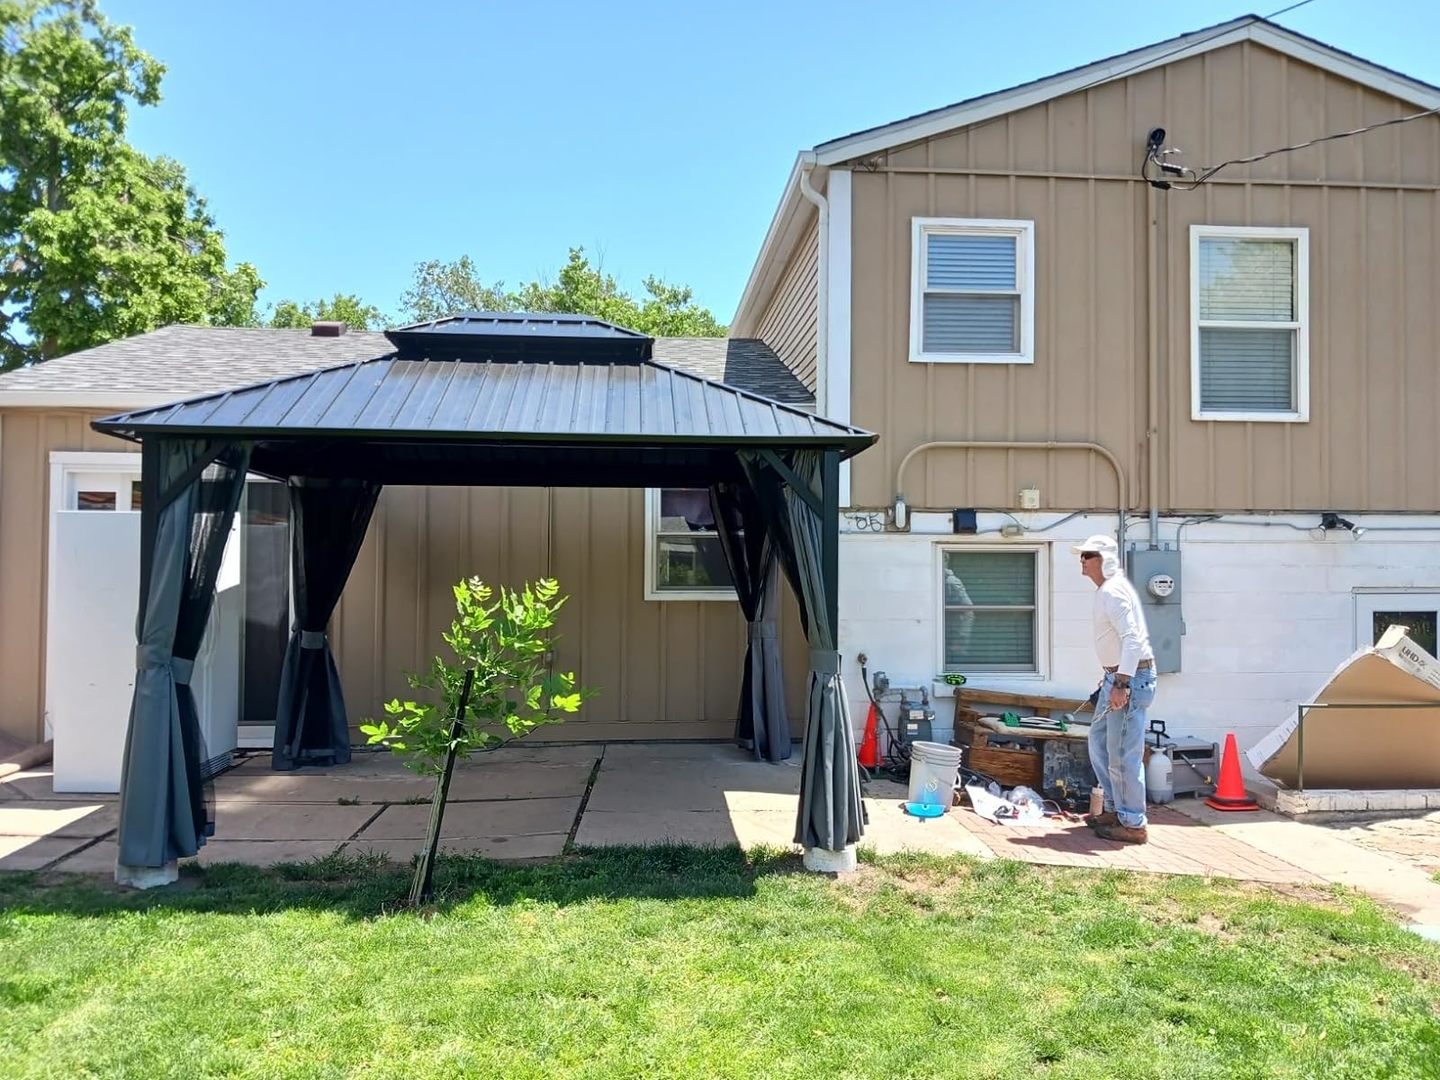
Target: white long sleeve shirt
[{"x": 1121, "y": 639}]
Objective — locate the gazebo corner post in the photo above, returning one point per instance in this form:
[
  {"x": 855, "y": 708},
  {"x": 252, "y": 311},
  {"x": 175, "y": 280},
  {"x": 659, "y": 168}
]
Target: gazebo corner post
[{"x": 831, "y": 754}]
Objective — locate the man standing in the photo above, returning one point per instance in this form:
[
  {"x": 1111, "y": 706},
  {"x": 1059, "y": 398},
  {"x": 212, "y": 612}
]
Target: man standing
[{"x": 1117, "y": 735}]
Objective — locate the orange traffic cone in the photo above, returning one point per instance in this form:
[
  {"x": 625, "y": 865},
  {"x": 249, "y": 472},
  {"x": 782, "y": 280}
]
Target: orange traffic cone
[
  {"x": 869, "y": 753},
  {"x": 1230, "y": 793}
]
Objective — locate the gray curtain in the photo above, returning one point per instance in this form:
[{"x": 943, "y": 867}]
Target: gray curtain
[
  {"x": 328, "y": 519},
  {"x": 190, "y": 489},
  {"x": 762, "y": 725},
  {"x": 831, "y": 814}
]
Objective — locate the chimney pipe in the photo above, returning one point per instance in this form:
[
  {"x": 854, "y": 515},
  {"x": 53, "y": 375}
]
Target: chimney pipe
[{"x": 327, "y": 329}]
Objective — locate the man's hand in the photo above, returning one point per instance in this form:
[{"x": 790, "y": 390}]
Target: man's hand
[{"x": 1119, "y": 696}]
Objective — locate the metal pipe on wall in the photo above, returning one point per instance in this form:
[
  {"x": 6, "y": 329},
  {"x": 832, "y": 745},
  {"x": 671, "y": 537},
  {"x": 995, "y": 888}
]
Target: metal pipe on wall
[
  {"x": 1122, "y": 488},
  {"x": 1152, "y": 370}
]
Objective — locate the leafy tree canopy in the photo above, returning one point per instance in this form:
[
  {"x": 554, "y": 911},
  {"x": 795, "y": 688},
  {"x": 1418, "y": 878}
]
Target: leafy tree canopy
[
  {"x": 342, "y": 307},
  {"x": 97, "y": 241},
  {"x": 665, "y": 310}
]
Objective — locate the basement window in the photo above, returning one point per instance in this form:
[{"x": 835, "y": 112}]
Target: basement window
[
  {"x": 991, "y": 617},
  {"x": 1249, "y": 333},
  {"x": 684, "y": 559},
  {"x": 972, "y": 291}
]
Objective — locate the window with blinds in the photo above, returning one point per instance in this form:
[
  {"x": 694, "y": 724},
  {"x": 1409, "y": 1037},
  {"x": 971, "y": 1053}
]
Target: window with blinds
[
  {"x": 972, "y": 291},
  {"x": 991, "y": 611},
  {"x": 1249, "y": 343}
]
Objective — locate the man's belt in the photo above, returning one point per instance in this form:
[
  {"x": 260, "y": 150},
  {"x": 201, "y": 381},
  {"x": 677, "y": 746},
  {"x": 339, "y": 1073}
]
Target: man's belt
[{"x": 1138, "y": 667}]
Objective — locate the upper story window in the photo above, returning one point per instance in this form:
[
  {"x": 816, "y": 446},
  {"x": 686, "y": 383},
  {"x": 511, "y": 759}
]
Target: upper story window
[
  {"x": 1250, "y": 323},
  {"x": 684, "y": 559},
  {"x": 972, "y": 291}
]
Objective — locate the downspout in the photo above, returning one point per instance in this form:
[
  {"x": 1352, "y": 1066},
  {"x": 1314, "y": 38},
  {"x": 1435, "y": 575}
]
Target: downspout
[
  {"x": 1152, "y": 376},
  {"x": 1121, "y": 493},
  {"x": 822, "y": 291}
]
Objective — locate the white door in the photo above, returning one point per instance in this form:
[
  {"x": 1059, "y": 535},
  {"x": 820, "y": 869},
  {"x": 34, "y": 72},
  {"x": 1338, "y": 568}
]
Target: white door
[
  {"x": 1415, "y": 609},
  {"x": 92, "y": 594}
]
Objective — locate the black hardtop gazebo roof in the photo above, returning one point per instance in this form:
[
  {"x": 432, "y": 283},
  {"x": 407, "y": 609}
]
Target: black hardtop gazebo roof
[{"x": 499, "y": 398}]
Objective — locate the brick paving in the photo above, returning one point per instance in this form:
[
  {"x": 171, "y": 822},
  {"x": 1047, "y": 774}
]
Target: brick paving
[{"x": 1178, "y": 845}]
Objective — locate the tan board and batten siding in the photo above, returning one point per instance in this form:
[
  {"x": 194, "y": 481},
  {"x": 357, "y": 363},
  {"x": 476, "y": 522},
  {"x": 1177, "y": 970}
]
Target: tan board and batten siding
[
  {"x": 1372, "y": 440},
  {"x": 666, "y": 669},
  {"x": 789, "y": 323}
]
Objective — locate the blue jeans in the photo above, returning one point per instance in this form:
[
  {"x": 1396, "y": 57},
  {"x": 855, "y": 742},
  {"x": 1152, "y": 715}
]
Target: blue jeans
[{"x": 1117, "y": 747}]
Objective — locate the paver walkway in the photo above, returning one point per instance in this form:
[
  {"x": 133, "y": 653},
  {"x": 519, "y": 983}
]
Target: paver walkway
[{"x": 532, "y": 802}]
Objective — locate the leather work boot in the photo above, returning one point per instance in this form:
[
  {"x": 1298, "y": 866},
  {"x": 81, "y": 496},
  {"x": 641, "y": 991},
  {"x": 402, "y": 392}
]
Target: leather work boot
[
  {"x": 1107, "y": 817},
  {"x": 1122, "y": 834}
]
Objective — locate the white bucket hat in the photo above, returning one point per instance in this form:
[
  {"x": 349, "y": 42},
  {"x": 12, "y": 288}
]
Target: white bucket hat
[{"x": 1106, "y": 548}]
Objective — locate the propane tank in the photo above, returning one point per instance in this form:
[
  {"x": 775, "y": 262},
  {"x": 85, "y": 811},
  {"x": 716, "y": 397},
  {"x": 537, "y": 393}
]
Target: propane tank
[{"x": 1159, "y": 776}]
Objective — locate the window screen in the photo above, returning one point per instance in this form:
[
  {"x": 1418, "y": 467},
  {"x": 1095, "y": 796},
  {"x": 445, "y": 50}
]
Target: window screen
[{"x": 990, "y": 610}]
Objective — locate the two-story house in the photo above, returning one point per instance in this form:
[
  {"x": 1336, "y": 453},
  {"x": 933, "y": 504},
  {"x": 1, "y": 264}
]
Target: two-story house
[
  {"x": 1057, "y": 324},
  {"x": 1061, "y": 325}
]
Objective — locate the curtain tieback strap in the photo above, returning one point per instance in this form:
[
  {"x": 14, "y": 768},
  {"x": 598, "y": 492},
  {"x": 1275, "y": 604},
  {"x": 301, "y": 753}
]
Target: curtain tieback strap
[
  {"x": 312, "y": 639},
  {"x": 760, "y": 630},
  {"x": 825, "y": 661},
  {"x": 148, "y": 656}
]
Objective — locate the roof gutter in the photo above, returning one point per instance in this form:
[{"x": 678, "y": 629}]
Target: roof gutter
[{"x": 822, "y": 285}]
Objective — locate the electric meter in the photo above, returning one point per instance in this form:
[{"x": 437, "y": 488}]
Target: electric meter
[{"x": 1161, "y": 586}]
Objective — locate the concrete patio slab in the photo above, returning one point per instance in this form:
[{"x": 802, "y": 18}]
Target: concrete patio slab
[
  {"x": 509, "y": 848},
  {"x": 95, "y": 859},
  {"x": 39, "y": 784},
  {"x": 264, "y": 852},
  {"x": 254, "y": 786},
  {"x": 36, "y": 852},
  {"x": 891, "y": 830},
  {"x": 478, "y": 820},
  {"x": 289, "y": 821},
  {"x": 84, "y": 819},
  {"x": 517, "y": 780}
]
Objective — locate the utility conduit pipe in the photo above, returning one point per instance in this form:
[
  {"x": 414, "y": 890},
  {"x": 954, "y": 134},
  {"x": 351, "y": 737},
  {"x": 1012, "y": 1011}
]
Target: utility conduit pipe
[
  {"x": 822, "y": 290},
  {"x": 1122, "y": 489},
  {"x": 1152, "y": 371}
]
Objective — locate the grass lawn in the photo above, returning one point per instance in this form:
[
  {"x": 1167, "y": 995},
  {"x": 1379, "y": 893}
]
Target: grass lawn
[{"x": 674, "y": 962}]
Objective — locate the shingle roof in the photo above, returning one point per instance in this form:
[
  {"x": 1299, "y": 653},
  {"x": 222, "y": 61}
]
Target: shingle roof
[{"x": 184, "y": 361}]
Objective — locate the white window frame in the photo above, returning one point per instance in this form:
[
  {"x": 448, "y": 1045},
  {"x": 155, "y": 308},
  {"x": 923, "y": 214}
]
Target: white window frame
[
  {"x": 1041, "y": 554},
  {"x": 652, "y": 591},
  {"x": 1300, "y": 237},
  {"x": 1024, "y": 233}
]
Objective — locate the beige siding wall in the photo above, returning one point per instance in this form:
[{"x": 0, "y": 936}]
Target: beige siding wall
[
  {"x": 1069, "y": 166},
  {"x": 665, "y": 669},
  {"x": 789, "y": 323},
  {"x": 26, "y": 438}
]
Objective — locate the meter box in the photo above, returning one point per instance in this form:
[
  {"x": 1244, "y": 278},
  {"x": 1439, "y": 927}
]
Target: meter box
[{"x": 1155, "y": 573}]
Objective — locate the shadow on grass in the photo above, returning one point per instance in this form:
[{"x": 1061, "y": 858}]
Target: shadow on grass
[{"x": 365, "y": 886}]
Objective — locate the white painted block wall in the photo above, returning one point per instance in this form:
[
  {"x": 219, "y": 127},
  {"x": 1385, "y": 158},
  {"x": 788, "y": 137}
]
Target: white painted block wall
[{"x": 1269, "y": 610}]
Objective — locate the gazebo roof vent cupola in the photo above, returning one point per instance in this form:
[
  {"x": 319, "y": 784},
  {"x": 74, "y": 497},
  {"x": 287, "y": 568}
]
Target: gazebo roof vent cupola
[{"x": 520, "y": 337}]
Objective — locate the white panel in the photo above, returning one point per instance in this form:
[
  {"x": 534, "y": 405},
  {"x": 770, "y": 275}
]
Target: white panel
[{"x": 92, "y": 639}]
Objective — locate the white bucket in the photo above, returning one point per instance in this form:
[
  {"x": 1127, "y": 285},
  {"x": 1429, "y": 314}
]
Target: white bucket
[{"x": 934, "y": 770}]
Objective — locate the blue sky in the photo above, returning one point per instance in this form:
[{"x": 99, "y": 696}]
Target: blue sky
[{"x": 339, "y": 144}]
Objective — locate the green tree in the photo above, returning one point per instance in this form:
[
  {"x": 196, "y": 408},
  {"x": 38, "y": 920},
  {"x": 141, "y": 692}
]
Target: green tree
[
  {"x": 97, "y": 241},
  {"x": 342, "y": 307},
  {"x": 441, "y": 289}
]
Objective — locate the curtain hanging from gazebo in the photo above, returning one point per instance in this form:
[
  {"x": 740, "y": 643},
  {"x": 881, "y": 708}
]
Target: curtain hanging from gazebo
[
  {"x": 190, "y": 489},
  {"x": 328, "y": 519},
  {"x": 793, "y": 497},
  {"x": 762, "y": 725}
]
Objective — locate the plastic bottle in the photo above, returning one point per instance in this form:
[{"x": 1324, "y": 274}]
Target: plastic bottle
[
  {"x": 1097, "y": 801},
  {"x": 1159, "y": 776}
]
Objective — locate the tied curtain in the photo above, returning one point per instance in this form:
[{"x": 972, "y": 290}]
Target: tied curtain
[
  {"x": 190, "y": 490},
  {"x": 328, "y": 520},
  {"x": 792, "y": 496},
  {"x": 762, "y": 725}
]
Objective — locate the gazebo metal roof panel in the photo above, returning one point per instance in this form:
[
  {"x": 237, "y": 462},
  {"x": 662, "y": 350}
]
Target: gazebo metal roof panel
[{"x": 461, "y": 400}]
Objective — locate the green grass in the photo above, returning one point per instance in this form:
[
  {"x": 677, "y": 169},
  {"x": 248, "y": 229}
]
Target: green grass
[{"x": 674, "y": 962}]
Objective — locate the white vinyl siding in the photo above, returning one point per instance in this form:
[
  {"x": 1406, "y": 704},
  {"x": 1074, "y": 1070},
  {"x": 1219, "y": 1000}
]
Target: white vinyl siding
[
  {"x": 1249, "y": 332},
  {"x": 972, "y": 291},
  {"x": 991, "y": 622}
]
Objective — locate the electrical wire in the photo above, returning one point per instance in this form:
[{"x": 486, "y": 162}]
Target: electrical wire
[{"x": 1193, "y": 178}]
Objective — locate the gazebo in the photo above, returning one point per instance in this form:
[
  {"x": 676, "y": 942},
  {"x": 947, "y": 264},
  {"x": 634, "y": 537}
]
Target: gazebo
[{"x": 483, "y": 399}]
